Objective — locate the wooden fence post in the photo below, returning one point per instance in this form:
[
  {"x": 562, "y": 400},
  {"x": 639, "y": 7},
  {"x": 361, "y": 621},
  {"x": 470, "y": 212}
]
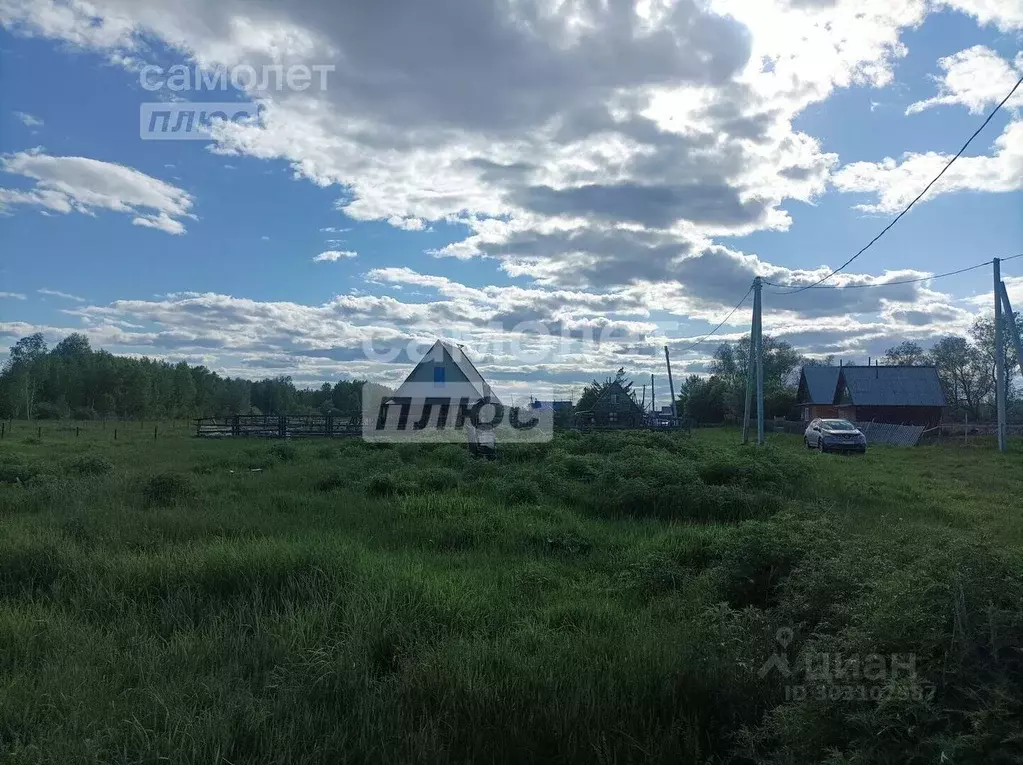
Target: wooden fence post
[{"x": 154, "y": 431}]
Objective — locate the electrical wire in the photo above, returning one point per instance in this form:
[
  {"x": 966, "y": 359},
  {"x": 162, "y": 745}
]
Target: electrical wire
[
  {"x": 720, "y": 323},
  {"x": 920, "y": 195},
  {"x": 888, "y": 284}
]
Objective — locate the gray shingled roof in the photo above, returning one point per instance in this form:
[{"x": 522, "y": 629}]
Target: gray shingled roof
[
  {"x": 893, "y": 386},
  {"x": 821, "y": 383}
]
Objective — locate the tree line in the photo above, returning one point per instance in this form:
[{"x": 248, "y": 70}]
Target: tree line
[
  {"x": 965, "y": 367},
  {"x": 71, "y": 380}
]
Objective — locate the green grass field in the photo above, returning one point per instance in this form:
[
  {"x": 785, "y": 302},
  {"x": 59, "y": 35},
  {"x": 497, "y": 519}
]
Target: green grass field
[{"x": 606, "y": 598}]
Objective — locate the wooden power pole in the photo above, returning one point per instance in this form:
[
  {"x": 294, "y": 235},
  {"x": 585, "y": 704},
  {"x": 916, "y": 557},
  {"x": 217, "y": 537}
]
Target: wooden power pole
[
  {"x": 758, "y": 308},
  {"x": 999, "y": 355},
  {"x": 671, "y": 386}
]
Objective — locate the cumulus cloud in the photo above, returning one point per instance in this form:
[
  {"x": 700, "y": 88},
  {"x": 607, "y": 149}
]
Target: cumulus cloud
[
  {"x": 1007, "y": 15},
  {"x": 80, "y": 184},
  {"x": 598, "y": 150},
  {"x": 642, "y": 130},
  {"x": 28, "y": 120},
  {"x": 976, "y": 78},
  {"x": 329, "y": 256},
  {"x": 896, "y": 182}
]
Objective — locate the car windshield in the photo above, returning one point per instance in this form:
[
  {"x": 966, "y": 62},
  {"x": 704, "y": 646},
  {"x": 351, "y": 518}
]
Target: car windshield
[{"x": 837, "y": 425}]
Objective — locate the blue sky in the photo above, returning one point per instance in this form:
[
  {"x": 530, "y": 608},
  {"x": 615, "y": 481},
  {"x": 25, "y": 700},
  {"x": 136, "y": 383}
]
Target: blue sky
[{"x": 623, "y": 174}]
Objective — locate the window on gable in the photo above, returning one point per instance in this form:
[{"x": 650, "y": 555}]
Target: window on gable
[
  {"x": 438, "y": 375},
  {"x": 614, "y": 399},
  {"x": 612, "y": 417}
]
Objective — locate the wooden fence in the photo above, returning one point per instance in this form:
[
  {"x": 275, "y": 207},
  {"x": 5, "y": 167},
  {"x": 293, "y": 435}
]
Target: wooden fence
[{"x": 279, "y": 426}]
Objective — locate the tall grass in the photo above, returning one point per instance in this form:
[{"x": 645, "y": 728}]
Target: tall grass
[{"x": 608, "y": 598}]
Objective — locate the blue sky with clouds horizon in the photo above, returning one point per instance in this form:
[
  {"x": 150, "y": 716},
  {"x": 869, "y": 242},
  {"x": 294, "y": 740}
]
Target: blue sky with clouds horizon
[{"x": 479, "y": 172}]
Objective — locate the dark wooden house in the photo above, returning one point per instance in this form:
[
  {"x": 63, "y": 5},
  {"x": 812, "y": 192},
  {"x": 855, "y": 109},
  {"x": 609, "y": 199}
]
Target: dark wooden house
[
  {"x": 886, "y": 394},
  {"x": 816, "y": 394},
  {"x": 614, "y": 408},
  {"x": 898, "y": 395}
]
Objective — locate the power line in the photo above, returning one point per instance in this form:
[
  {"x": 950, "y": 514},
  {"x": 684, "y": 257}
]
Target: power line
[
  {"x": 921, "y": 194},
  {"x": 720, "y": 323},
  {"x": 888, "y": 284}
]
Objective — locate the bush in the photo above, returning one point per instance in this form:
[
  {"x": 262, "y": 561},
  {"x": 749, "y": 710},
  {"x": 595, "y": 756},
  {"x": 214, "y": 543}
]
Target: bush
[
  {"x": 332, "y": 482},
  {"x": 167, "y": 488},
  {"x": 386, "y": 485},
  {"x": 15, "y": 470},
  {"x": 521, "y": 492},
  {"x": 84, "y": 413},
  {"x": 327, "y": 452},
  {"x": 88, "y": 464},
  {"x": 437, "y": 479},
  {"x": 284, "y": 452},
  {"x": 47, "y": 410}
]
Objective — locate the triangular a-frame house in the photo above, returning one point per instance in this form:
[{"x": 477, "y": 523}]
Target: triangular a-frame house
[{"x": 445, "y": 370}]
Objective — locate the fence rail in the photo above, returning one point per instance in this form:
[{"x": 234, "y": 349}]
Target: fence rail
[
  {"x": 279, "y": 426},
  {"x": 895, "y": 435}
]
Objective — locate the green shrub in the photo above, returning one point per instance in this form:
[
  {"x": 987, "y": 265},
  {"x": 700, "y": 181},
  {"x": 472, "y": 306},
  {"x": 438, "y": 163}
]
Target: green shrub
[
  {"x": 167, "y": 488},
  {"x": 520, "y": 492},
  {"x": 387, "y": 485},
  {"x": 16, "y": 470},
  {"x": 327, "y": 452},
  {"x": 88, "y": 465},
  {"x": 437, "y": 479},
  {"x": 332, "y": 482},
  {"x": 284, "y": 452}
]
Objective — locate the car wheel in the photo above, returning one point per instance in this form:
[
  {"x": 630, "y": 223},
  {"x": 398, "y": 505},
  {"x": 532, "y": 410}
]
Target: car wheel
[
  {"x": 820, "y": 445},
  {"x": 806, "y": 442}
]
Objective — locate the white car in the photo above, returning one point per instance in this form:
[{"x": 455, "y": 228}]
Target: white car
[{"x": 834, "y": 436}]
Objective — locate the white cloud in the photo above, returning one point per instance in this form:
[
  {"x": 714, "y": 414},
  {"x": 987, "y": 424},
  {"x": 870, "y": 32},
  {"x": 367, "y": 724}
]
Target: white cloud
[
  {"x": 28, "y": 120},
  {"x": 12, "y": 295},
  {"x": 1007, "y": 15},
  {"x": 896, "y": 182},
  {"x": 976, "y": 78},
  {"x": 59, "y": 294},
  {"x": 80, "y": 184},
  {"x": 265, "y": 238},
  {"x": 408, "y": 224},
  {"x": 332, "y": 255},
  {"x": 596, "y": 149}
]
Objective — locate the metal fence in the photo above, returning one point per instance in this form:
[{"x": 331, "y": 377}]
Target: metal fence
[{"x": 886, "y": 433}]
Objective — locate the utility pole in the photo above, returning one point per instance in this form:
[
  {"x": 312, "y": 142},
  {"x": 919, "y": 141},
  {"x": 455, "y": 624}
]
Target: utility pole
[
  {"x": 653, "y": 407},
  {"x": 758, "y": 312},
  {"x": 999, "y": 355},
  {"x": 671, "y": 386},
  {"x": 643, "y": 405},
  {"x": 751, "y": 360}
]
